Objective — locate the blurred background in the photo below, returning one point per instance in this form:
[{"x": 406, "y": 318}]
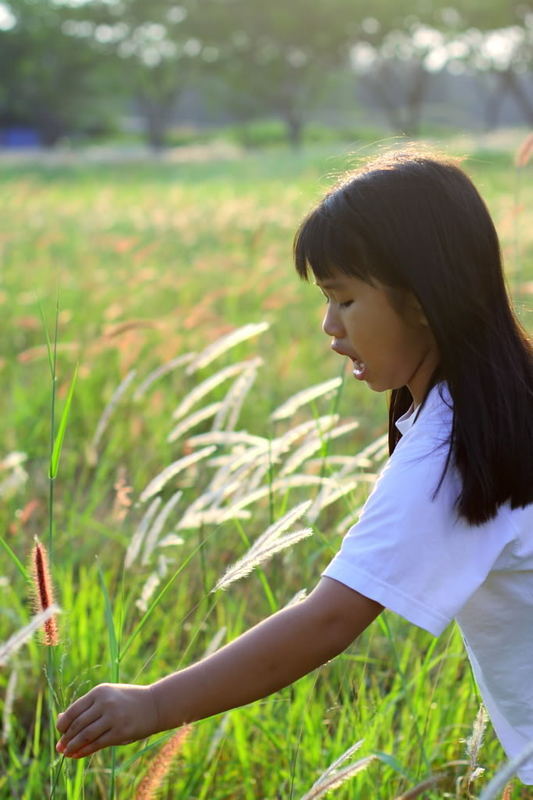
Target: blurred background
[{"x": 160, "y": 74}]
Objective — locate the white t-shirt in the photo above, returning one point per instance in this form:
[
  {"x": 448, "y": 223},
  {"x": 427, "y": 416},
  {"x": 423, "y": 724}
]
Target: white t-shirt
[{"x": 416, "y": 557}]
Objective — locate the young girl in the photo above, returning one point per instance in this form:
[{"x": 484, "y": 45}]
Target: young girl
[{"x": 407, "y": 256}]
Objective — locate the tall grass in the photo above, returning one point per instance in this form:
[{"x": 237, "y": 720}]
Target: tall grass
[{"x": 138, "y": 548}]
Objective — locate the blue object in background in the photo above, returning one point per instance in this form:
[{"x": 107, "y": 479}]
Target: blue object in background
[{"x": 16, "y": 137}]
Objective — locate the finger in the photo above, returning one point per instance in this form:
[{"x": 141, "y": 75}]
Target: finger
[
  {"x": 65, "y": 719},
  {"x": 105, "y": 740},
  {"x": 82, "y": 721},
  {"x": 87, "y": 736}
]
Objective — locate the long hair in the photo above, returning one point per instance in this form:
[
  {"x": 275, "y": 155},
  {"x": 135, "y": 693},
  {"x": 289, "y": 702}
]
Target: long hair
[{"x": 415, "y": 221}]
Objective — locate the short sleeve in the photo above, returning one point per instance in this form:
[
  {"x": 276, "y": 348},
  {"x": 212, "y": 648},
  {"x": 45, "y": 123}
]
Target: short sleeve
[{"x": 414, "y": 554}]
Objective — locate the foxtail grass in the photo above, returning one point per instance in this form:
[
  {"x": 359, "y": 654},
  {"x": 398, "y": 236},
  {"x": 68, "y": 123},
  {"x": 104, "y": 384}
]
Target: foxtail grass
[
  {"x": 160, "y": 765},
  {"x": 43, "y": 591}
]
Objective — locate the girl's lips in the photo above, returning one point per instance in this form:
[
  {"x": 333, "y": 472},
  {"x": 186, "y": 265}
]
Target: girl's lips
[{"x": 353, "y": 356}]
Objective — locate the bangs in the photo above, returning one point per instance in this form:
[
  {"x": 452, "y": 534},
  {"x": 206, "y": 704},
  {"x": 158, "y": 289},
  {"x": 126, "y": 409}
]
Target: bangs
[{"x": 321, "y": 248}]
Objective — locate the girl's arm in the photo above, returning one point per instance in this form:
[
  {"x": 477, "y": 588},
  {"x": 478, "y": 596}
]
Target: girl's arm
[{"x": 270, "y": 656}]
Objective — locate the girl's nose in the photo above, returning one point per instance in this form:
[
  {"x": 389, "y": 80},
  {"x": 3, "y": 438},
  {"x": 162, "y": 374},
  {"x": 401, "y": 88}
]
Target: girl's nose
[{"x": 331, "y": 324}]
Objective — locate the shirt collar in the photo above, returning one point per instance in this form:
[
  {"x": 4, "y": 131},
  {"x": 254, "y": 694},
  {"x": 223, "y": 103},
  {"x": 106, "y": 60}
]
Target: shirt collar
[{"x": 406, "y": 421}]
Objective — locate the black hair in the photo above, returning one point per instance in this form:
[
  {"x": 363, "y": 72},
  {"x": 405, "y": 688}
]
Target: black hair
[{"x": 415, "y": 221}]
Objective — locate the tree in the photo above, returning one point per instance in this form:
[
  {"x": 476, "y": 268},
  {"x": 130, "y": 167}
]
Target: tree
[
  {"x": 273, "y": 56},
  {"x": 154, "y": 53},
  {"x": 49, "y": 80},
  {"x": 498, "y": 40}
]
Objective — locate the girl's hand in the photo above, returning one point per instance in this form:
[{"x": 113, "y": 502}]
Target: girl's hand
[{"x": 111, "y": 713}]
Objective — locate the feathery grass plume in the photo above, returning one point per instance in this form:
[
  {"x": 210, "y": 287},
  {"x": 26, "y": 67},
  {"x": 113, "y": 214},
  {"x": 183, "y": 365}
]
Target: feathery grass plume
[
  {"x": 327, "y": 496},
  {"x": 281, "y": 484},
  {"x": 525, "y": 151},
  {"x": 18, "y": 477},
  {"x": 135, "y": 544},
  {"x": 153, "y": 534},
  {"x": 160, "y": 765},
  {"x": 238, "y": 466},
  {"x": 283, "y": 444},
  {"x": 225, "y": 343},
  {"x": 43, "y": 591},
  {"x": 192, "y": 420},
  {"x": 267, "y": 545},
  {"x": 186, "y": 358},
  {"x": 228, "y": 414},
  {"x": 262, "y": 457},
  {"x": 507, "y": 792},
  {"x": 314, "y": 443},
  {"x": 228, "y": 437},
  {"x": 172, "y": 470},
  {"x": 336, "y": 778},
  {"x": 473, "y": 746},
  {"x": 9, "y": 701},
  {"x": 171, "y": 540},
  {"x": 475, "y": 740},
  {"x": 151, "y": 584},
  {"x": 280, "y": 526},
  {"x": 211, "y": 516},
  {"x": 207, "y": 385},
  {"x": 92, "y": 449},
  {"x": 338, "y": 761},
  {"x": 261, "y": 554},
  {"x": 15, "y": 642},
  {"x": 299, "y": 399}
]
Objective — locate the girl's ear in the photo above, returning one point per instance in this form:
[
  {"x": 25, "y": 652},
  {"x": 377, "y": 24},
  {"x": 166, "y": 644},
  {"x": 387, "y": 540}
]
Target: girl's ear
[{"x": 417, "y": 314}]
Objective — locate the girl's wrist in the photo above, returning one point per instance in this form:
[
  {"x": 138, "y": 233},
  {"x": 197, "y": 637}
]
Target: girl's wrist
[
  {"x": 155, "y": 702},
  {"x": 163, "y": 699}
]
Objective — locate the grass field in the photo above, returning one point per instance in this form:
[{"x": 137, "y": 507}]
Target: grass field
[{"x": 152, "y": 261}]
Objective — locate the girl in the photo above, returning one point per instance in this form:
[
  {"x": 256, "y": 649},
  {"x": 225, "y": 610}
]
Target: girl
[{"x": 407, "y": 256}]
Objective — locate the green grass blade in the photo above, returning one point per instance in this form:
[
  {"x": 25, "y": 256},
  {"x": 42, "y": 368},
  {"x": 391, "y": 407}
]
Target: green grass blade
[
  {"x": 48, "y": 342},
  {"x": 54, "y": 460},
  {"x": 113, "y": 646},
  {"x": 21, "y": 568},
  {"x": 154, "y": 604}
]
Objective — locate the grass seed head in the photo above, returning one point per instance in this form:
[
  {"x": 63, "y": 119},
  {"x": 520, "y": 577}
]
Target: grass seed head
[
  {"x": 161, "y": 764},
  {"x": 43, "y": 591}
]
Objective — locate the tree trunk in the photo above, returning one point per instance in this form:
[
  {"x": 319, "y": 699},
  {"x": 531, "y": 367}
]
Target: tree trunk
[
  {"x": 522, "y": 99},
  {"x": 295, "y": 130},
  {"x": 379, "y": 86},
  {"x": 156, "y": 117},
  {"x": 507, "y": 82},
  {"x": 416, "y": 92}
]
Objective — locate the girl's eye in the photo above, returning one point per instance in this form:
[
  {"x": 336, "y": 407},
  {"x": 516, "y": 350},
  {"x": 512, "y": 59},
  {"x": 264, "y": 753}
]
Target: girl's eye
[{"x": 341, "y": 305}]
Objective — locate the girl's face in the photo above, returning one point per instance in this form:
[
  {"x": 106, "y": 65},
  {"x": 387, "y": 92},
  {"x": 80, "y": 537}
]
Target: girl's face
[{"x": 395, "y": 350}]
